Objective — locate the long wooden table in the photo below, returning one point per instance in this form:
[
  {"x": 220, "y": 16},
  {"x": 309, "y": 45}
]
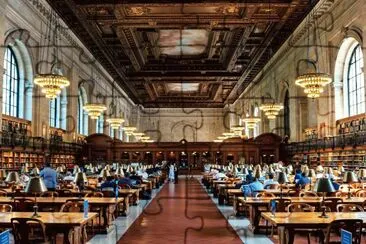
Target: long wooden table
[
  {"x": 287, "y": 222},
  {"x": 106, "y": 204},
  {"x": 56, "y": 222},
  {"x": 255, "y": 205}
]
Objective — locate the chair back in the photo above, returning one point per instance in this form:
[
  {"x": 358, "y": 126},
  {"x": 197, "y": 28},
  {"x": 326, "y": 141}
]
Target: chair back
[
  {"x": 352, "y": 225},
  {"x": 300, "y": 207},
  {"x": 349, "y": 207},
  {"x": 6, "y": 208},
  {"x": 308, "y": 194},
  {"x": 108, "y": 192},
  {"x": 23, "y": 204},
  {"x": 361, "y": 193},
  {"x": 64, "y": 193},
  {"x": 265, "y": 194},
  {"x": 124, "y": 186},
  {"x": 342, "y": 194},
  {"x": 94, "y": 194},
  {"x": 24, "y": 228},
  {"x": 282, "y": 204},
  {"x": 73, "y": 205},
  {"x": 3, "y": 193},
  {"x": 50, "y": 194},
  {"x": 332, "y": 203}
]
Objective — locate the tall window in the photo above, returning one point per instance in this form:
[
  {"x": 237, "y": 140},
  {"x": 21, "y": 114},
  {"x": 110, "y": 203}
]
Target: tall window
[
  {"x": 100, "y": 124},
  {"x": 111, "y": 132},
  {"x": 355, "y": 83},
  {"x": 286, "y": 105},
  {"x": 54, "y": 112},
  {"x": 10, "y": 84},
  {"x": 82, "y": 117}
]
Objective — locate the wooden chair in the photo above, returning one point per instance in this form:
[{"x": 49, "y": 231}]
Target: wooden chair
[
  {"x": 28, "y": 230},
  {"x": 23, "y": 204},
  {"x": 332, "y": 203},
  {"x": 124, "y": 186},
  {"x": 94, "y": 194},
  {"x": 265, "y": 194},
  {"x": 352, "y": 225},
  {"x": 108, "y": 193},
  {"x": 64, "y": 193},
  {"x": 360, "y": 193},
  {"x": 308, "y": 194},
  {"x": 302, "y": 207},
  {"x": 344, "y": 187},
  {"x": 282, "y": 204},
  {"x": 342, "y": 194},
  {"x": 50, "y": 194},
  {"x": 6, "y": 208},
  {"x": 74, "y": 206},
  {"x": 3, "y": 193},
  {"x": 349, "y": 207}
]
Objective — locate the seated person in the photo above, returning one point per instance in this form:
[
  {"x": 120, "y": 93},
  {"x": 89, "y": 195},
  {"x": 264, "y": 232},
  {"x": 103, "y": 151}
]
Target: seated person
[
  {"x": 253, "y": 188},
  {"x": 269, "y": 181},
  {"x": 126, "y": 180},
  {"x": 136, "y": 178},
  {"x": 304, "y": 180},
  {"x": 69, "y": 176},
  {"x": 335, "y": 184},
  {"x": 108, "y": 183},
  {"x": 219, "y": 175},
  {"x": 249, "y": 178},
  {"x": 298, "y": 176}
]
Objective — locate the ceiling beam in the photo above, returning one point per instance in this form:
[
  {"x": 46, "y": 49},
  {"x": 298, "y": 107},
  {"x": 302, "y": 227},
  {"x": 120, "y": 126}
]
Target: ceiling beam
[{"x": 182, "y": 74}]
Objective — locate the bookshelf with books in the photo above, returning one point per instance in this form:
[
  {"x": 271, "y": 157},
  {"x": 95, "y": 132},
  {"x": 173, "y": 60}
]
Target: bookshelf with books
[
  {"x": 353, "y": 124},
  {"x": 15, "y": 160}
]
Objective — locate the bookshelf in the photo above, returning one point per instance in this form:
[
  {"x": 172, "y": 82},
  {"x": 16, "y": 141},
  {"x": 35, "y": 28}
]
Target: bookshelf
[
  {"x": 15, "y": 160},
  {"x": 352, "y": 124}
]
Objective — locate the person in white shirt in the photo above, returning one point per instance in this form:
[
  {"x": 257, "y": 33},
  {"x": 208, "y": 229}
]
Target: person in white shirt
[{"x": 220, "y": 175}]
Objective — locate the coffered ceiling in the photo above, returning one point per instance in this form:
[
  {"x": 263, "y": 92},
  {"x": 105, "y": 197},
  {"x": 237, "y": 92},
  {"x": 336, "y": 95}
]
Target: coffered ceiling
[{"x": 174, "y": 53}]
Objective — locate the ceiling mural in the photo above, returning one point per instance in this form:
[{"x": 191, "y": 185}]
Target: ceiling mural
[
  {"x": 183, "y": 42},
  {"x": 169, "y": 53}
]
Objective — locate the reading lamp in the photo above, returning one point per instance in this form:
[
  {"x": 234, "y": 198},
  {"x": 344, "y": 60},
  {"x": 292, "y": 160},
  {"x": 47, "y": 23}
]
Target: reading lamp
[
  {"x": 324, "y": 185},
  {"x": 80, "y": 179},
  {"x": 349, "y": 177},
  {"x": 282, "y": 179},
  {"x": 35, "y": 185},
  {"x": 361, "y": 174},
  {"x": 12, "y": 177},
  {"x": 311, "y": 175}
]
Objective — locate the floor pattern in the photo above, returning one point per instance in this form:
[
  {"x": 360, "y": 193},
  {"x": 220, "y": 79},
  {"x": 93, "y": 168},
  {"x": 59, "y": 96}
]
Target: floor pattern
[{"x": 181, "y": 213}]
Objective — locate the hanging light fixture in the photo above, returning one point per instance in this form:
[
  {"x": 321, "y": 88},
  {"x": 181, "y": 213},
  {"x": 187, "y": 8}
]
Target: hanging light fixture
[
  {"x": 251, "y": 122},
  {"x": 313, "y": 83},
  {"x": 271, "y": 110},
  {"x": 51, "y": 83},
  {"x": 129, "y": 130},
  {"x": 115, "y": 123},
  {"x": 94, "y": 110}
]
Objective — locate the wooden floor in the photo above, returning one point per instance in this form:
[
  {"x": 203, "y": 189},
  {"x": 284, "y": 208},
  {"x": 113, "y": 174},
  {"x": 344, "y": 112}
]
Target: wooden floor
[{"x": 181, "y": 213}]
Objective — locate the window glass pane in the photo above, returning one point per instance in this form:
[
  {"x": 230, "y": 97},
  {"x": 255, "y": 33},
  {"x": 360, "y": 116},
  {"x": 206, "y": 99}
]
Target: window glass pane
[{"x": 10, "y": 84}]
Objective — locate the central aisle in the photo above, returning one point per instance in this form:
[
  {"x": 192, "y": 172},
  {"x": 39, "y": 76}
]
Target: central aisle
[{"x": 181, "y": 213}]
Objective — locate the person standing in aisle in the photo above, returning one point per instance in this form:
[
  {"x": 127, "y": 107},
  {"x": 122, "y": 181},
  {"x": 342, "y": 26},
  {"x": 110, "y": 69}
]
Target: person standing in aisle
[{"x": 49, "y": 176}]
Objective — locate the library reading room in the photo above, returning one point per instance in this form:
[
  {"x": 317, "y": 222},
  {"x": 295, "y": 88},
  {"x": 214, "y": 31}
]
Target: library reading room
[{"x": 183, "y": 121}]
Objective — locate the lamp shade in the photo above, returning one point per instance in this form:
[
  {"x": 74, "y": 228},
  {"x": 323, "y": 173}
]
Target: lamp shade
[
  {"x": 35, "y": 171},
  {"x": 257, "y": 174},
  {"x": 319, "y": 169},
  {"x": 350, "y": 177},
  {"x": 2, "y": 174},
  {"x": 120, "y": 172},
  {"x": 35, "y": 185},
  {"x": 59, "y": 169},
  {"x": 25, "y": 169},
  {"x": 12, "y": 177},
  {"x": 80, "y": 177},
  {"x": 245, "y": 171},
  {"x": 324, "y": 185},
  {"x": 104, "y": 173},
  {"x": 361, "y": 173},
  {"x": 76, "y": 170},
  {"x": 282, "y": 178}
]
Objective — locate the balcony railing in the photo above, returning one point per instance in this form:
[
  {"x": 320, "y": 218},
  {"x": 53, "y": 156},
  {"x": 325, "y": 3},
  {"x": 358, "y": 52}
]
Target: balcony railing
[
  {"x": 37, "y": 143},
  {"x": 340, "y": 141}
]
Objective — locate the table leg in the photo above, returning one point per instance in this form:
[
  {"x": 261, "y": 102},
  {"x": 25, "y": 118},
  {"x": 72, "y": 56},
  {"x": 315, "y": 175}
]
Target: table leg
[
  {"x": 281, "y": 235},
  {"x": 254, "y": 219}
]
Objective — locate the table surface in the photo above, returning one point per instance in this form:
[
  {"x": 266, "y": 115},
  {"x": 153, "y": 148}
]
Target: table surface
[
  {"x": 54, "y": 218},
  {"x": 92, "y": 200},
  {"x": 259, "y": 200},
  {"x": 274, "y": 191},
  {"x": 309, "y": 218}
]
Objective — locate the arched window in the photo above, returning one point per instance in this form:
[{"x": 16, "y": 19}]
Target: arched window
[
  {"x": 355, "y": 82},
  {"x": 54, "y": 112},
  {"x": 286, "y": 113},
  {"x": 120, "y": 134},
  {"x": 111, "y": 132},
  {"x": 82, "y": 116},
  {"x": 100, "y": 124},
  {"x": 11, "y": 84}
]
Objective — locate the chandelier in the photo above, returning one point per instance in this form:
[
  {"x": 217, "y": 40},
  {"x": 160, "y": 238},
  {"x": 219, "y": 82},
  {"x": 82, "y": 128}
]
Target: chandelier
[
  {"x": 115, "y": 123},
  {"x": 94, "y": 110},
  {"x": 51, "y": 84},
  {"x": 271, "y": 110},
  {"x": 313, "y": 83},
  {"x": 251, "y": 122},
  {"x": 129, "y": 130}
]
